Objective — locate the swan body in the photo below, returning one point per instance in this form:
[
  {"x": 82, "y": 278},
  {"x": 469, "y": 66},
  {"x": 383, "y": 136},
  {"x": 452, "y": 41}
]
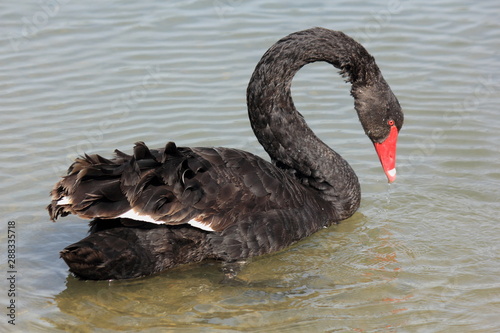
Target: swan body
[{"x": 158, "y": 208}]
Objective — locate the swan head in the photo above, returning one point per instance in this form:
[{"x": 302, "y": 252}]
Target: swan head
[{"x": 382, "y": 118}]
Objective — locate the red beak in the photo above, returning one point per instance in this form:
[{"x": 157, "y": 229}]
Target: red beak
[{"x": 386, "y": 152}]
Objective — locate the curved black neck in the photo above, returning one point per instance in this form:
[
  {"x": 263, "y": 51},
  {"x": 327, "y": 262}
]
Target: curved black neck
[{"x": 281, "y": 129}]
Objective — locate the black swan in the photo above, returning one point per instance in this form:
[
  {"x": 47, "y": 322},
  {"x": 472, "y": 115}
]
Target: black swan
[{"x": 159, "y": 208}]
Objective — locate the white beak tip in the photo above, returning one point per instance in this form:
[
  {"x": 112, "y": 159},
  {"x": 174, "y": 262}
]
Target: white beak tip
[{"x": 391, "y": 175}]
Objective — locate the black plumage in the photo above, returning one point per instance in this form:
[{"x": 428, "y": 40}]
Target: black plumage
[{"x": 191, "y": 204}]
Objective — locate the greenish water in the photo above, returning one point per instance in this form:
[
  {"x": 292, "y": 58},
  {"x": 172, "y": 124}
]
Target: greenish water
[{"x": 421, "y": 254}]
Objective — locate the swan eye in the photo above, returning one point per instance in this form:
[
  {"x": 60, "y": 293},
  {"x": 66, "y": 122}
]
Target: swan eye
[{"x": 390, "y": 122}]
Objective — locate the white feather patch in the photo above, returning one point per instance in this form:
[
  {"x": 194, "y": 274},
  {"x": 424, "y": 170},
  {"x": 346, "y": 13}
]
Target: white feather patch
[
  {"x": 200, "y": 225},
  {"x": 133, "y": 215},
  {"x": 64, "y": 201}
]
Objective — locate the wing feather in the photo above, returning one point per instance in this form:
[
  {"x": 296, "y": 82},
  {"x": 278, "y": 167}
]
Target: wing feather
[{"x": 210, "y": 188}]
